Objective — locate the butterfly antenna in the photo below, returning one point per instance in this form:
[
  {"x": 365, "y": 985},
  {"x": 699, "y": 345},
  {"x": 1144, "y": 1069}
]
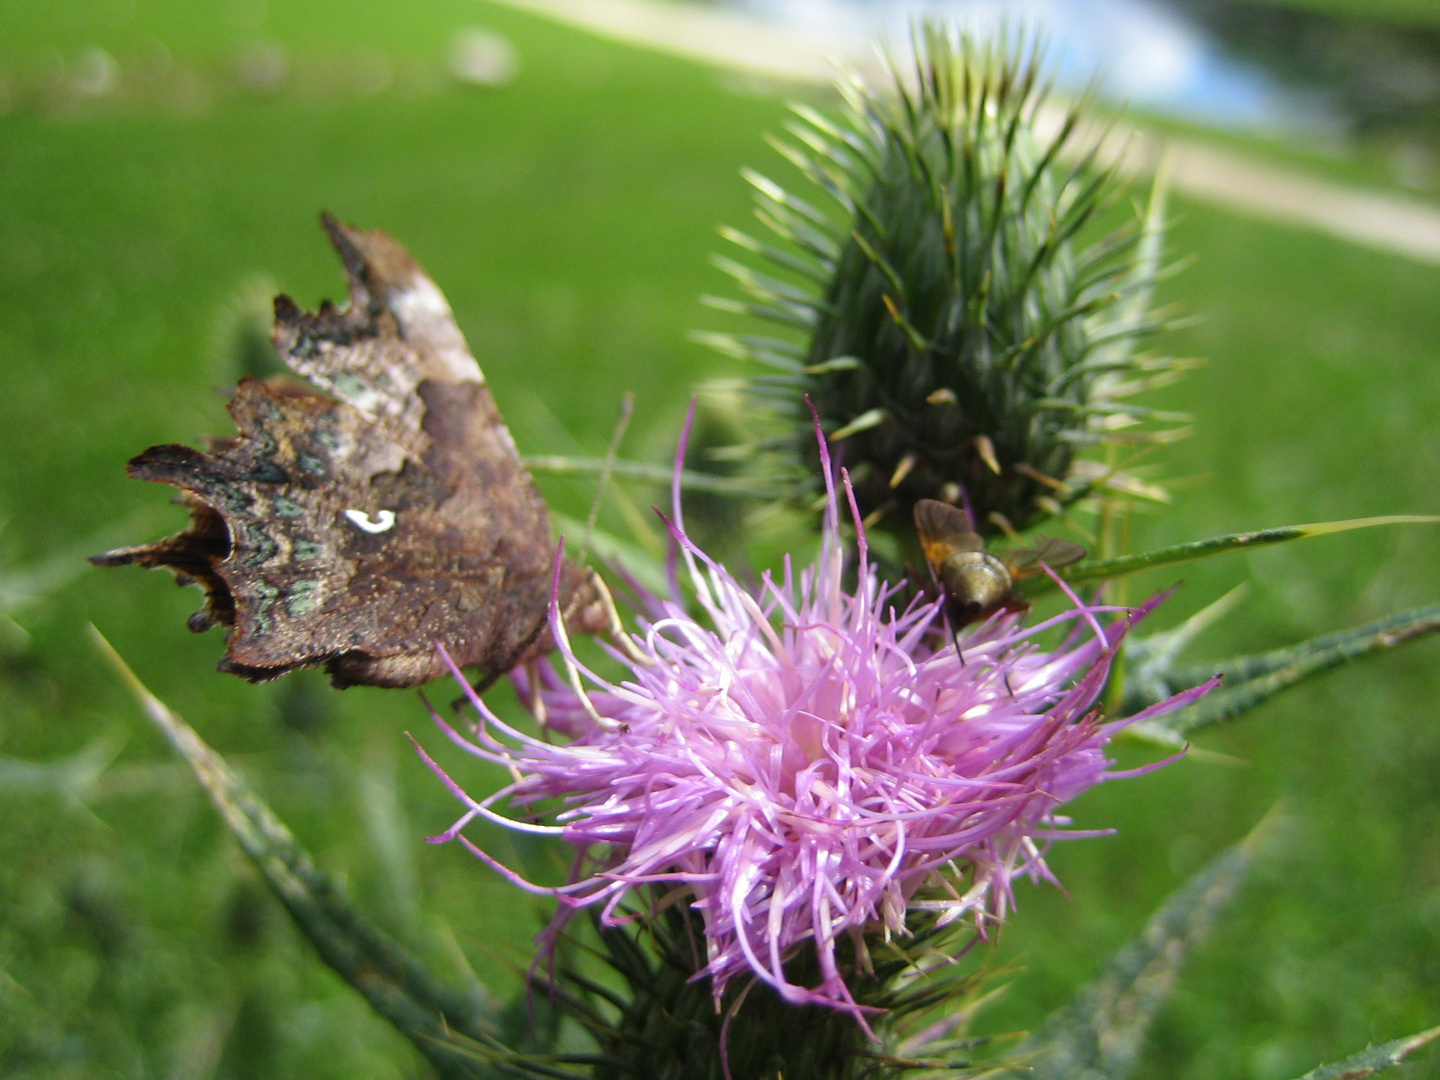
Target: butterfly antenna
[{"x": 627, "y": 409}]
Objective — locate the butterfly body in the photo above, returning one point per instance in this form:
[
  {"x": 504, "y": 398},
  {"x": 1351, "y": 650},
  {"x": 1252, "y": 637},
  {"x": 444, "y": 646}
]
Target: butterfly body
[
  {"x": 975, "y": 582},
  {"x": 360, "y": 517}
]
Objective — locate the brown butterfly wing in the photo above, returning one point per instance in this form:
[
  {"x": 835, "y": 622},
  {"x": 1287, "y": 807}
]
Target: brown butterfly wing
[
  {"x": 356, "y": 530},
  {"x": 1026, "y": 562}
]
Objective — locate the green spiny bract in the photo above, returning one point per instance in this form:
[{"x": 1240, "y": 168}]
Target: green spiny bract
[
  {"x": 961, "y": 344},
  {"x": 663, "y": 1024}
]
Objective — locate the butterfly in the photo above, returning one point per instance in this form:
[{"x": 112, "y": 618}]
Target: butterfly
[
  {"x": 360, "y": 517},
  {"x": 975, "y": 582}
]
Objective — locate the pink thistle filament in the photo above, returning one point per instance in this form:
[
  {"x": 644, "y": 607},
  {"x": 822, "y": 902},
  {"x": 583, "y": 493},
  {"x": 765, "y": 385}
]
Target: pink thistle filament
[{"x": 810, "y": 764}]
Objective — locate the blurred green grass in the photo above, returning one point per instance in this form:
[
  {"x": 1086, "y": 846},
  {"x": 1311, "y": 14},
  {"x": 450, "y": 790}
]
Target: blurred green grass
[
  {"x": 567, "y": 217},
  {"x": 1400, "y": 12}
]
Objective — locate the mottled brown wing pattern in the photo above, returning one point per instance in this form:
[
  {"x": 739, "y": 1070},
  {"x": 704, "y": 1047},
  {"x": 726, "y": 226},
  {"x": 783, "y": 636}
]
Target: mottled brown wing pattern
[{"x": 355, "y": 530}]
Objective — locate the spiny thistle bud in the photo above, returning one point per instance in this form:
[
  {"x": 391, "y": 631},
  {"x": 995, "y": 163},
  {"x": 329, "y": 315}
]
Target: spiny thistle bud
[{"x": 963, "y": 346}]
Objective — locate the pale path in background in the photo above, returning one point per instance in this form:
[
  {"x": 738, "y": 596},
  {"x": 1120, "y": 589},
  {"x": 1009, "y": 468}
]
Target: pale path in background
[{"x": 1224, "y": 177}]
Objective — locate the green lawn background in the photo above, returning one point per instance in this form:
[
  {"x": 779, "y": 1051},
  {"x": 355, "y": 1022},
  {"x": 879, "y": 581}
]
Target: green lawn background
[{"x": 568, "y": 218}]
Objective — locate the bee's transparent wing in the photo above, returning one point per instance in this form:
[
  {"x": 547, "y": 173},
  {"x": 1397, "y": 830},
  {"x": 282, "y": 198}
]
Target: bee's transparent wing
[
  {"x": 1025, "y": 562},
  {"x": 944, "y": 529}
]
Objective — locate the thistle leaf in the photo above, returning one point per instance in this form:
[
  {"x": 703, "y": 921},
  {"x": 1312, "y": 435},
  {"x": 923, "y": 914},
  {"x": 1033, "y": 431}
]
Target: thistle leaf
[
  {"x": 1252, "y": 680},
  {"x": 1374, "y": 1059},
  {"x": 1105, "y": 569},
  {"x": 450, "y": 1028},
  {"x": 1152, "y": 662},
  {"x": 1099, "y": 1035}
]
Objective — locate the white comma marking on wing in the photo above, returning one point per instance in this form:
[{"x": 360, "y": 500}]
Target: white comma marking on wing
[{"x": 384, "y": 520}]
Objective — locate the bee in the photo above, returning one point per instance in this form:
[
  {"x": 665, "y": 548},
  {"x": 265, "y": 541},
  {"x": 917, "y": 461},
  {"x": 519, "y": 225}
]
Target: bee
[{"x": 977, "y": 583}]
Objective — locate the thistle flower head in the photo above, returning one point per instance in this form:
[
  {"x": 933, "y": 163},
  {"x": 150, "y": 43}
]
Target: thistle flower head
[
  {"x": 808, "y": 766},
  {"x": 954, "y": 332}
]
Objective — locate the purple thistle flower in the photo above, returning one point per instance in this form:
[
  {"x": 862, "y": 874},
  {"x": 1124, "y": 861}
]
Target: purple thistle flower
[{"x": 809, "y": 764}]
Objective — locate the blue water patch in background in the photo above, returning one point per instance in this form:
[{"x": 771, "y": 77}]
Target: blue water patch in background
[{"x": 1145, "y": 53}]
